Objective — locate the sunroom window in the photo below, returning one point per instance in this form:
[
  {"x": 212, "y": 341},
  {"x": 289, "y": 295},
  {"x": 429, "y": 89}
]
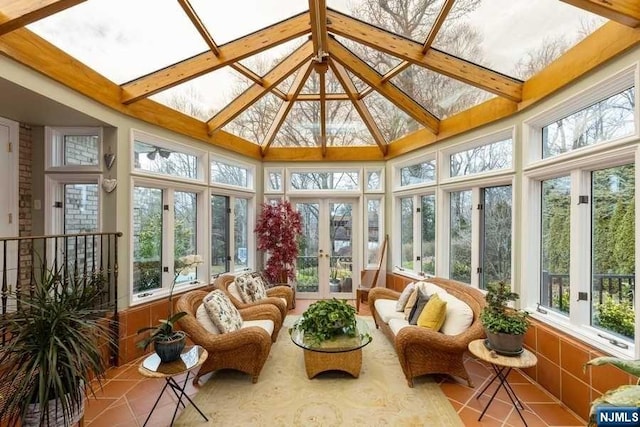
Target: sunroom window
[
  {"x": 419, "y": 173},
  {"x": 342, "y": 181},
  {"x": 76, "y": 148},
  {"x": 163, "y": 160},
  {"x": 460, "y": 209},
  {"x": 483, "y": 158}
]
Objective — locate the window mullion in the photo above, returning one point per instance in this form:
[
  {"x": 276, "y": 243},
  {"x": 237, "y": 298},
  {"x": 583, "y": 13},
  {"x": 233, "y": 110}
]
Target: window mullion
[
  {"x": 417, "y": 234},
  {"x": 168, "y": 224},
  {"x": 580, "y": 247},
  {"x": 476, "y": 238}
]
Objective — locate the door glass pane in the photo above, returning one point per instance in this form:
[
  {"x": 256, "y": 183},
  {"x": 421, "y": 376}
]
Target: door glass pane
[
  {"x": 341, "y": 261},
  {"x": 496, "y": 236},
  {"x": 428, "y": 252},
  {"x": 307, "y": 262},
  {"x": 460, "y": 237},
  {"x": 241, "y": 233},
  {"x": 147, "y": 239},
  {"x": 185, "y": 231},
  {"x": 556, "y": 206},
  {"x": 406, "y": 232},
  {"x": 219, "y": 234},
  {"x": 613, "y": 249},
  {"x": 373, "y": 227},
  {"x": 80, "y": 216}
]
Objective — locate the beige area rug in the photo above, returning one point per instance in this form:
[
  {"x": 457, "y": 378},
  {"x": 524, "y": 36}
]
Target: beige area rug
[{"x": 284, "y": 396}]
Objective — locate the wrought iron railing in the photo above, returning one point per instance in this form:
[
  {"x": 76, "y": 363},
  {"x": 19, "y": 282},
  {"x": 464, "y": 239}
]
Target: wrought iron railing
[
  {"x": 555, "y": 289},
  {"x": 83, "y": 255}
]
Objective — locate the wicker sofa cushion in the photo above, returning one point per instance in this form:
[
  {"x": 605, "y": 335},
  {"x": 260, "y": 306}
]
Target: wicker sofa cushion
[
  {"x": 404, "y": 296},
  {"x": 222, "y": 311},
  {"x": 205, "y": 320},
  {"x": 411, "y": 302},
  {"x": 433, "y": 314},
  {"x": 386, "y": 309},
  {"x": 423, "y": 299},
  {"x": 459, "y": 315},
  {"x": 251, "y": 287}
]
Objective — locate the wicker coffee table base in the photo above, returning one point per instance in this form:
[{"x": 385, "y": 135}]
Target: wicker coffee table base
[{"x": 348, "y": 361}]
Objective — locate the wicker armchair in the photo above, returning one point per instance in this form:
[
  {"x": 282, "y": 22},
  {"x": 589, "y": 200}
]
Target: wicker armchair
[
  {"x": 274, "y": 295},
  {"x": 424, "y": 351},
  {"x": 245, "y": 350}
]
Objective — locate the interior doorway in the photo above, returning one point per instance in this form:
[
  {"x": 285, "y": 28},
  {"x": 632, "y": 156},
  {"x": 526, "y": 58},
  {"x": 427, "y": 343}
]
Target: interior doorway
[{"x": 327, "y": 264}]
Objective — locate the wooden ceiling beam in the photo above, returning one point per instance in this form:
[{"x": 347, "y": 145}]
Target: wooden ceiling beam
[
  {"x": 321, "y": 69},
  {"x": 318, "y": 15},
  {"x": 206, "y": 62},
  {"x": 626, "y": 12},
  {"x": 359, "y": 105},
  {"x": 442, "y": 16},
  {"x": 280, "y": 72},
  {"x": 281, "y": 115},
  {"x": 328, "y": 96},
  {"x": 395, "y": 71},
  {"x": 387, "y": 89},
  {"x": 411, "y": 51},
  {"x": 16, "y": 14},
  {"x": 366, "y": 92},
  {"x": 197, "y": 22},
  {"x": 257, "y": 79}
]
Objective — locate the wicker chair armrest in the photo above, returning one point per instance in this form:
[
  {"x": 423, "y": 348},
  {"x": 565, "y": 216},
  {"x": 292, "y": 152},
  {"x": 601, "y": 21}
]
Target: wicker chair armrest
[
  {"x": 232, "y": 340},
  {"x": 416, "y": 336},
  {"x": 383, "y": 293}
]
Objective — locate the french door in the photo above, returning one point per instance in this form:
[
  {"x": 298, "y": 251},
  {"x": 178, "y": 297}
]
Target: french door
[{"x": 327, "y": 264}]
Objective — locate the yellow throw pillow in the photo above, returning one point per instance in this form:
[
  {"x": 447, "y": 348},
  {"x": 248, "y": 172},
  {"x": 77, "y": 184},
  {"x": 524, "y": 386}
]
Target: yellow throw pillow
[{"x": 433, "y": 314}]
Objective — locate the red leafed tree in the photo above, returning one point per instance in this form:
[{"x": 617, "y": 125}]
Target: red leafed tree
[{"x": 277, "y": 230}]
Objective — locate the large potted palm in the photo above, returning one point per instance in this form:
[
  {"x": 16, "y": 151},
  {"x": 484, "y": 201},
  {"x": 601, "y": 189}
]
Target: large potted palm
[{"x": 53, "y": 349}]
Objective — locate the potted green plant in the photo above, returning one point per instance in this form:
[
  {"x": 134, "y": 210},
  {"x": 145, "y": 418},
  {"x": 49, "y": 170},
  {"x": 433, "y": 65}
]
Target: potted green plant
[
  {"x": 505, "y": 327},
  {"x": 54, "y": 348},
  {"x": 168, "y": 343},
  {"x": 625, "y": 395},
  {"x": 326, "y": 319}
]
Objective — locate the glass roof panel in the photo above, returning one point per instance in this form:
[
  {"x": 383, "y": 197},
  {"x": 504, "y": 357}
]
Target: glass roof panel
[
  {"x": 115, "y": 43},
  {"x": 378, "y": 60},
  {"x": 360, "y": 85},
  {"x": 393, "y": 122},
  {"x": 441, "y": 95},
  {"x": 261, "y": 63},
  {"x": 505, "y": 34},
  {"x": 230, "y": 20},
  {"x": 331, "y": 83},
  {"x": 254, "y": 122},
  {"x": 411, "y": 19},
  {"x": 345, "y": 126},
  {"x": 203, "y": 96},
  {"x": 300, "y": 128}
]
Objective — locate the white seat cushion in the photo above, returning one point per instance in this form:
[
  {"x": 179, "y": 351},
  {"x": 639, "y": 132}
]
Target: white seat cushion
[
  {"x": 430, "y": 288},
  {"x": 203, "y": 318},
  {"x": 459, "y": 315},
  {"x": 265, "y": 324},
  {"x": 386, "y": 309},
  {"x": 396, "y": 324},
  {"x": 233, "y": 290}
]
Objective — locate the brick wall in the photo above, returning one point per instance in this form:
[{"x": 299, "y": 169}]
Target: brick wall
[{"x": 25, "y": 226}]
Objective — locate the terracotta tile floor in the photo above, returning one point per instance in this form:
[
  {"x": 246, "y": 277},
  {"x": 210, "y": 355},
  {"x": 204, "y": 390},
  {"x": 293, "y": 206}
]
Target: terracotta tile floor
[{"x": 127, "y": 398}]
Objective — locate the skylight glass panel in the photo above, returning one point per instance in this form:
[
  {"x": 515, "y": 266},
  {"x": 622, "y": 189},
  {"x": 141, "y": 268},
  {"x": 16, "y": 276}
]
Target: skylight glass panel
[
  {"x": 230, "y": 20},
  {"x": 301, "y": 128},
  {"x": 411, "y": 19},
  {"x": 345, "y": 126},
  {"x": 110, "y": 36},
  {"x": 379, "y": 61},
  {"x": 254, "y": 122},
  {"x": 439, "y": 94},
  {"x": 204, "y": 96},
  {"x": 360, "y": 85},
  {"x": 514, "y": 37},
  {"x": 393, "y": 122},
  {"x": 261, "y": 63}
]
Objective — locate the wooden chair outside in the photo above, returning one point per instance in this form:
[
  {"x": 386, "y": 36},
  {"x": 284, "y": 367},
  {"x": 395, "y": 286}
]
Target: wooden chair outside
[{"x": 373, "y": 277}]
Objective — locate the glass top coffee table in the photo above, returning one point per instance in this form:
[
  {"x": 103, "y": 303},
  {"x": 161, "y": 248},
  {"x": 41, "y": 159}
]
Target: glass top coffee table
[{"x": 342, "y": 353}]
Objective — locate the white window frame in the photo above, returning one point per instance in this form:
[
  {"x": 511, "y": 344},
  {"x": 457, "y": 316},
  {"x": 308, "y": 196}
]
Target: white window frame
[
  {"x": 492, "y": 138},
  {"x": 202, "y": 221},
  {"x": 328, "y": 192},
  {"x": 365, "y": 182},
  {"x": 54, "y": 148},
  {"x": 578, "y": 323},
  {"x": 53, "y": 184},
  {"x": 365, "y": 231},
  {"x": 612, "y": 85},
  {"x": 283, "y": 184},
  {"x": 251, "y": 173},
  {"x": 160, "y": 142}
]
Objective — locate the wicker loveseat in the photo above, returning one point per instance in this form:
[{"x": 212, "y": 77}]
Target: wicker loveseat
[
  {"x": 245, "y": 350},
  {"x": 280, "y": 296},
  {"x": 424, "y": 351}
]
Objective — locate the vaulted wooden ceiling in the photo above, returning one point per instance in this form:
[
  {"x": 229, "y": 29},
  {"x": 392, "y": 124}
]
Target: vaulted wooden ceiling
[{"x": 322, "y": 52}]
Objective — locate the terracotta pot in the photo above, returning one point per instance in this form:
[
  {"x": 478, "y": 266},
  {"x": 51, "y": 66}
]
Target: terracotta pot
[{"x": 168, "y": 351}]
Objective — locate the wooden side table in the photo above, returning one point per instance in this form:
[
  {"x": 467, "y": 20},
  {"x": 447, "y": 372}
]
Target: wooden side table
[
  {"x": 191, "y": 358},
  {"x": 502, "y": 366}
]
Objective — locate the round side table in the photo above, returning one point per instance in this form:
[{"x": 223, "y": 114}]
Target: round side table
[
  {"x": 151, "y": 367},
  {"x": 501, "y": 366}
]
